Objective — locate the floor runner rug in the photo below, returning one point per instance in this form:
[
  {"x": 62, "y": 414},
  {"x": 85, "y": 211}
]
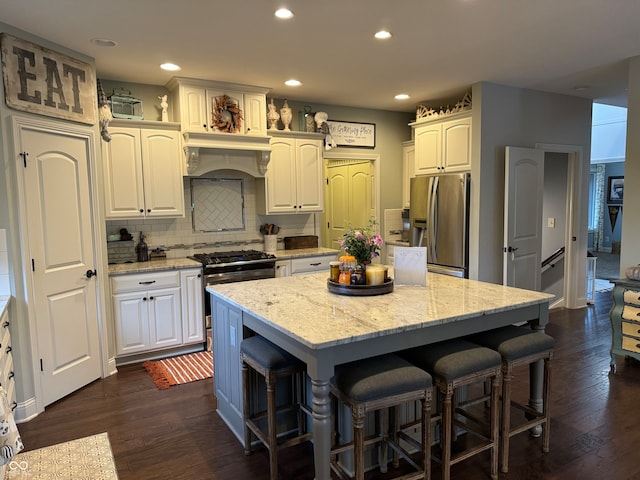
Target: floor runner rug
[
  {"x": 603, "y": 285},
  {"x": 178, "y": 370},
  {"x": 88, "y": 458}
]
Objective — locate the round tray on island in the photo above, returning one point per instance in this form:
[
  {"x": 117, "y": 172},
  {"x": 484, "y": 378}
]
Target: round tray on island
[{"x": 360, "y": 290}]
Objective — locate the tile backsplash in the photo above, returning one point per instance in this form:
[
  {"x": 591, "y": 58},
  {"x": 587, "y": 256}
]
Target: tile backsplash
[
  {"x": 177, "y": 236},
  {"x": 5, "y": 286}
]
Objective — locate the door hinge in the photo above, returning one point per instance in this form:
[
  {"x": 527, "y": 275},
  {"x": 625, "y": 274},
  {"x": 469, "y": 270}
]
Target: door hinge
[
  {"x": 33, "y": 265},
  {"x": 24, "y": 158},
  {"x": 41, "y": 365}
]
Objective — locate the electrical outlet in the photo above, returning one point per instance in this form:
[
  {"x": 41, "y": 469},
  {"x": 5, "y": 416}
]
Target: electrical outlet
[{"x": 551, "y": 222}]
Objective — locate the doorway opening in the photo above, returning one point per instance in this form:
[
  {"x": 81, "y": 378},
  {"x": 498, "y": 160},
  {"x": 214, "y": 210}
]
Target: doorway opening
[{"x": 351, "y": 194}]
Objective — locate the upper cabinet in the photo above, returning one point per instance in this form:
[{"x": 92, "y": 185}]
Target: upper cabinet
[
  {"x": 226, "y": 120},
  {"x": 197, "y": 107},
  {"x": 143, "y": 171},
  {"x": 443, "y": 146},
  {"x": 293, "y": 182}
]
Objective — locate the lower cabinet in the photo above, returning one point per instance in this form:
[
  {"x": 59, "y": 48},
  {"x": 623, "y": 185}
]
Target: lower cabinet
[
  {"x": 625, "y": 320},
  {"x": 154, "y": 311},
  {"x": 7, "y": 380}
]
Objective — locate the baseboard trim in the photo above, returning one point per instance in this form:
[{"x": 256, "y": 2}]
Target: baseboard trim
[{"x": 26, "y": 411}]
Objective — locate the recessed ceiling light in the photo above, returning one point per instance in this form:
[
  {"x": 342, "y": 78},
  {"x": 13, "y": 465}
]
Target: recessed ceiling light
[
  {"x": 401, "y": 96},
  {"x": 284, "y": 13},
  {"x": 383, "y": 35},
  {"x": 103, "y": 42},
  {"x": 170, "y": 67},
  {"x": 293, "y": 83}
]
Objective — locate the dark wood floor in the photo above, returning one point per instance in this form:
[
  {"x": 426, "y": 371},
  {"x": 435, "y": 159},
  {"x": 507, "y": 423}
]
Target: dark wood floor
[{"x": 176, "y": 433}]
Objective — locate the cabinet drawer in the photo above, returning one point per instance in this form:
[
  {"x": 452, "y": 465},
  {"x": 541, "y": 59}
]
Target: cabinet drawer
[
  {"x": 631, "y": 344},
  {"x": 131, "y": 283},
  {"x": 311, "y": 264},
  {"x": 632, "y": 297},
  {"x": 631, "y": 313},
  {"x": 631, "y": 329}
]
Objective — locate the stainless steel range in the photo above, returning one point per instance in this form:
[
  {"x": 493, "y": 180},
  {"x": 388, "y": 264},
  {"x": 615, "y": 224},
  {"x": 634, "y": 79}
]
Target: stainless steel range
[{"x": 234, "y": 266}]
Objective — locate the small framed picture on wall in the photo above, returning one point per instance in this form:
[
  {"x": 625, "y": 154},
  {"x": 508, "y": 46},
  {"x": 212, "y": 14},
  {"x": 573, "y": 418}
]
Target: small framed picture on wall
[{"x": 615, "y": 190}]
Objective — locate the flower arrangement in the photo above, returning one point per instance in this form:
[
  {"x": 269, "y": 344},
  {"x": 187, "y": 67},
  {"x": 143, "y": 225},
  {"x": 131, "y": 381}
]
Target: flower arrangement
[{"x": 363, "y": 243}]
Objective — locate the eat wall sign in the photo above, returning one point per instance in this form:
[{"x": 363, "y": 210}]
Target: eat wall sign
[{"x": 39, "y": 80}]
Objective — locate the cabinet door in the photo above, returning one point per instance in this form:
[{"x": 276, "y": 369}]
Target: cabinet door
[
  {"x": 193, "y": 111},
  {"x": 162, "y": 170},
  {"x": 281, "y": 177},
  {"x": 428, "y": 153},
  {"x": 131, "y": 318},
  {"x": 122, "y": 169},
  {"x": 192, "y": 306},
  {"x": 283, "y": 268},
  {"x": 301, "y": 266},
  {"x": 255, "y": 114},
  {"x": 408, "y": 171},
  {"x": 456, "y": 135},
  {"x": 310, "y": 188},
  {"x": 165, "y": 325}
]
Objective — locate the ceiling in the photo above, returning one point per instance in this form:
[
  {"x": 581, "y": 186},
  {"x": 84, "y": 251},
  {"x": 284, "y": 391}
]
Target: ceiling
[{"x": 439, "y": 48}]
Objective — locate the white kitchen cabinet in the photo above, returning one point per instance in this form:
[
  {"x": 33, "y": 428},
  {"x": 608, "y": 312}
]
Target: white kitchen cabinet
[
  {"x": 408, "y": 171},
  {"x": 293, "y": 182},
  {"x": 154, "y": 311},
  {"x": 443, "y": 146},
  {"x": 304, "y": 265},
  {"x": 143, "y": 173},
  {"x": 195, "y": 100},
  {"x": 7, "y": 371},
  {"x": 283, "y": 268},
  {"x": 192, "y": 305}
]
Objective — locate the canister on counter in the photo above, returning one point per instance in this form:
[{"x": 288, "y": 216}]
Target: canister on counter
[
  {"x": 334, "y": 271},
  {"x": 347, "y": 266}
]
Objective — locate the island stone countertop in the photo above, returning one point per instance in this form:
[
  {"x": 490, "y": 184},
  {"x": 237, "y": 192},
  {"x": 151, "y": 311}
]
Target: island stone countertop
[
  {"x": 154, "y": 265},
  {"x": 303, "y": 308}
]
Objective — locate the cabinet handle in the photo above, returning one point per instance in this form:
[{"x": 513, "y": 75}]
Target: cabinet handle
[
  {"x": 204, "y": 126},
  {"x": 9, "y": 349},
  {"x": 142, "y": 210},
  {"x": 199, "y": 275},
  {"x": 14, "y": 405},
  {"x": 149, "y": 282},
  {"x": 315, "y": 264},
  {"x": 5, "y": 324},
  {"x": 148, "y": 210},
  {"x": 12, "y": 374},
  {"x": 150, "y": 298},
  {"x": 144, "y": 299}
]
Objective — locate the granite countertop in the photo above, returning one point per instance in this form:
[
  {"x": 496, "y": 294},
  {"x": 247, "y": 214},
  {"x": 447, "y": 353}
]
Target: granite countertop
[
  {"x": 4, "y": 302},
  {"x": 154, "y": 265},
  {"x": 304, "y": 252},
  {"x": 303, "y": 308}
]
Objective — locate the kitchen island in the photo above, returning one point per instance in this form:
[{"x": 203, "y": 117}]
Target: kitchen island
[{"x": 324, "y": 330}]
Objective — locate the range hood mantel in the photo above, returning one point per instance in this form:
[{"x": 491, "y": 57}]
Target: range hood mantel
[{"x": 206, "y": 152}]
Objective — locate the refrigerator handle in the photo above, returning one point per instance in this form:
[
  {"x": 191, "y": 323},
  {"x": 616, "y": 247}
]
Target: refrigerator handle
[{"x": 433, "y": 217}]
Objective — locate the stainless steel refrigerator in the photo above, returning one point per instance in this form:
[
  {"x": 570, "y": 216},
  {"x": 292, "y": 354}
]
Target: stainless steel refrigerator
[{"x": 439, "y": 220}]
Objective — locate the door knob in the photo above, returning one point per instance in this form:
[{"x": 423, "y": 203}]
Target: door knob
[{"x": 91, "y": 273}]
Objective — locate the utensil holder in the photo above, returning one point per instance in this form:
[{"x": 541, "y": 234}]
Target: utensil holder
[{"x": 270, "y": 243}]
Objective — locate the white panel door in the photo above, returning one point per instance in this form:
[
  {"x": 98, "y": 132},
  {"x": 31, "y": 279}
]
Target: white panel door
[
  {"x": 60, "y": 243},
  {"x": 281, "y": 176},
  {"x": 310, "y": 190},
  {"x": 524, "y": 187}
]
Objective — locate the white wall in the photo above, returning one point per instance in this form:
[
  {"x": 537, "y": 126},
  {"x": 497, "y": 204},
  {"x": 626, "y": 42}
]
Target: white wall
[
  {"x": 630, "y": 250},
  {"x": 5, "y": 286},
  {"x": 504, "y": 116}
]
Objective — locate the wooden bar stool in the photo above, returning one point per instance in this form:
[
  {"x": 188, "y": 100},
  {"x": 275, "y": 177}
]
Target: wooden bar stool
[
  {"x": 454, "y": 364},
  {"x": 378, "y": 384},
  {"x": 272, "y": 362},
  {"x": 520, "y": 346}
]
